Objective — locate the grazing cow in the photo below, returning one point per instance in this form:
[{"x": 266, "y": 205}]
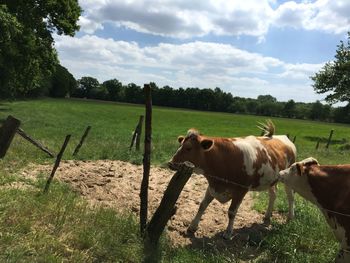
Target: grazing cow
[
  {"x": 328, "y": 187},
  {"x": 233, "y": 166}
]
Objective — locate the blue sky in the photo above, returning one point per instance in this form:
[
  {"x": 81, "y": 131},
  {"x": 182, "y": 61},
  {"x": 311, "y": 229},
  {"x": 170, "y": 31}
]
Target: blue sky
[{"x": 248, "y": 48}]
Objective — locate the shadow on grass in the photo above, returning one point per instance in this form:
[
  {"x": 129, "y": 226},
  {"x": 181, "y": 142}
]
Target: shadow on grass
[{"x": 245, "y": 244}]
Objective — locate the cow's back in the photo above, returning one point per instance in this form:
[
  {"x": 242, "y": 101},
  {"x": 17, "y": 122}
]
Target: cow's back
[
  {"x": 251, "y": 161},
  {"x": 280, "y": 149}
]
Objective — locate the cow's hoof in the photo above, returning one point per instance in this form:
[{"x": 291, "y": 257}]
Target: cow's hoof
[{"x": 227, "y": 235}]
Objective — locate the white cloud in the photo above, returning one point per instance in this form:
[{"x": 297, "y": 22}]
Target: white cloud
[
  {"x": 88, "y": 26},
  {"x": 331, "y": 16},
  {"x": 182, "y": 18},
  {"x": 300, "y": 71},
  {"x": 194, "y": 64},
  {"x": 186, "y": 19}
]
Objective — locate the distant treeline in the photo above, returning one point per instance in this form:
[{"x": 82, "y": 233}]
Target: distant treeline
[{"x": 63, "y": 84}]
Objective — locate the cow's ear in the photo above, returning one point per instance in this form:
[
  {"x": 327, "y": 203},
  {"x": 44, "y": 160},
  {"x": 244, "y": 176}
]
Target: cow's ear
[
  {"x": 300, "y": 168},
  {"x": 310, "y": 161},
  {"x": 180, "y": 139},
  {"x": 207, "y": 144}
]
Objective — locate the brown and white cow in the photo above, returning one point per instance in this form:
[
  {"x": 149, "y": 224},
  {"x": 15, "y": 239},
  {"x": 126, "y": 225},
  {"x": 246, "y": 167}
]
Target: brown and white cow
[
  {"x": 328, "y": 187},
  {"x": 233, "y": 166}
]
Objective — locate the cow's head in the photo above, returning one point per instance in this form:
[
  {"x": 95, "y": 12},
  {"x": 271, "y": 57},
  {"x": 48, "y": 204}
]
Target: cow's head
[
  {"x": 295, "y": 175},
  {"x": 192, "y": 149}
]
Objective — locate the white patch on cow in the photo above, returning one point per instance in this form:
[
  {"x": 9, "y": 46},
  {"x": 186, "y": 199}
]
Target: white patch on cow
[
  {"x": 222, "y": 197},
  {"x": 269, "y": 175},
  {"x": 338, "y": 230},
  {"x": 286, "y": 141},
  {"x": 297, "y": 182},
  {"x": 249, "y": 147}
]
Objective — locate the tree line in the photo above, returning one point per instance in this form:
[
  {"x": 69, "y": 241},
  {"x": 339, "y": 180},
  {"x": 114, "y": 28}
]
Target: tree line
[{"x": 216, "y": 99}]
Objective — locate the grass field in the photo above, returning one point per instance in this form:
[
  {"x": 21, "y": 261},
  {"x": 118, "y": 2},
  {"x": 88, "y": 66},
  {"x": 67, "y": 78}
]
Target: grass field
[{"x": 307, "y": 239}]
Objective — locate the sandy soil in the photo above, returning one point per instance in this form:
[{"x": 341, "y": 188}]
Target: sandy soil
[{"x": 117, "y": 184}]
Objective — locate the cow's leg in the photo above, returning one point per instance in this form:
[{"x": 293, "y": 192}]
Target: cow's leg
[
  {"x": 290, "y": 196},
  {"x": 272, "y": 198},
  {"x": 343, "y": 256},
  {"x": 232, "y": 211},
  {"x": 204, "y": 204}
]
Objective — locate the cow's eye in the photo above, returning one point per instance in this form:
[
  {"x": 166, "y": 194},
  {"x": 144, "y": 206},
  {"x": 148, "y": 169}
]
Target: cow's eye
[{"x": 188, "y": 149}]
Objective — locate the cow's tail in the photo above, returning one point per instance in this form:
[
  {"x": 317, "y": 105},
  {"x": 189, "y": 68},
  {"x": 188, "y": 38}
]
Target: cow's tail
[{"x": 268, "y": 128}]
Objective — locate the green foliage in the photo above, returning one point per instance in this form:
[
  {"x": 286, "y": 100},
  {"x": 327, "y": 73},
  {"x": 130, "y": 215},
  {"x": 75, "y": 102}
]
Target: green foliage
[
  {"x": 334, "y": 77},
  {"x": 27, "y": 55},
  {"x": 203, "y": 99},
  {"x": 87, "y": 87},
  {"x": 62, "y": 83},
  {"x": 114, "y": 88},
  {"x": 290, "y": 108}
]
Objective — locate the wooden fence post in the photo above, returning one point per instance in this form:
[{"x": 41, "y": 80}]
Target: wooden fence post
[
  {"x": 7, "y": 132},
  {"x": 139, "y": 133},
  {"x": 77, "y": 148},
  {"x": 329, "y": 138},
  {"x": 34, "y": 142},
  {"x": 136, "y": 137},
  {"x": 146, "y": 160},
  {"x": 318, "y": 144},
  {"x": 166, "y": 207},
  {"x": 57, "y": 163}
]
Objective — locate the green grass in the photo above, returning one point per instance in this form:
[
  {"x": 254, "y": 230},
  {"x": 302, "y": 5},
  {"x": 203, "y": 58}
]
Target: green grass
[{"x": 60, "y": 226}]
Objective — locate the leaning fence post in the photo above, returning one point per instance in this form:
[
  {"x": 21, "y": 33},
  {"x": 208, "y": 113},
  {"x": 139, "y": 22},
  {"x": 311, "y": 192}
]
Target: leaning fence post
[
  {"x": 137, "y": 134},
  {"x": 318, "y": 144},
  {"x": 7, "y": 132},
  {"x": 329, "y": 138},
  {"x": 167, "y": 205},
  {"x": 34, "y": 142},
  {"x": 146, "y": 160},
  {"x": 77, "y": 148},
  {"x": 57, "y": 163}
]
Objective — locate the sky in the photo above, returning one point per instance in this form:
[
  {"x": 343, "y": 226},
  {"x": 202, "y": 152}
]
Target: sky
[{"x": 248, "y": 48}]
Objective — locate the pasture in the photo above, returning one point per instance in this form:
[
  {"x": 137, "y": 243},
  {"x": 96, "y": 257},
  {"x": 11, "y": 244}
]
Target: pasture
[{"x": 71, "y": 232}]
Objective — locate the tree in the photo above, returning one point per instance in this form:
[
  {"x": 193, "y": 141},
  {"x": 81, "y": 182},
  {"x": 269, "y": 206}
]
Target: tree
[
  {"x": 62, "y": 83},
  {"x": 334, "y": 77},
  {"x": 267, "y": 105},
  {"x": 27, "y": 55},
  {"x": 289, "y": 109},
  {"x": 134, "y": 93},
  {"x": 114, "y": 88},
  {"x": 85, "y": 86}
]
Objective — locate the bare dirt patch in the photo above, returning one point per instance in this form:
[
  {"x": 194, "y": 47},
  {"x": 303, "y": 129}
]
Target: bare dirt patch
[{"x": 116, "y": 184}]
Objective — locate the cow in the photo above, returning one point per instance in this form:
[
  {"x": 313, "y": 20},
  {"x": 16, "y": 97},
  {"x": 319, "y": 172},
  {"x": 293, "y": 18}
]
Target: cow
[
  {"x": 328, "y": 187},
  {"x": 234, "y": 166}
]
